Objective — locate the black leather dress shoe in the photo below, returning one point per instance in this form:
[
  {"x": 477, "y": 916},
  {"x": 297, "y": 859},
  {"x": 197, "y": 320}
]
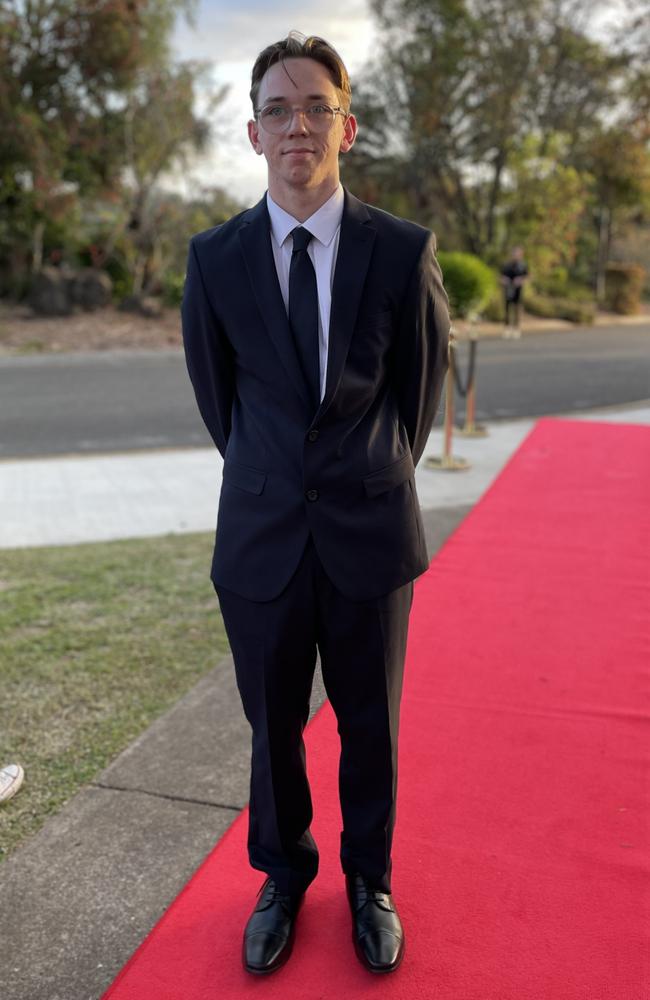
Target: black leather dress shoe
[
  {"x": 269, "y": 933},
  {"x": 376, "y": 928}
]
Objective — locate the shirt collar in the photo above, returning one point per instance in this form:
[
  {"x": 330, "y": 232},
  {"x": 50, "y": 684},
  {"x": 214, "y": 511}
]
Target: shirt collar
[{"x": 323, "y": 224}]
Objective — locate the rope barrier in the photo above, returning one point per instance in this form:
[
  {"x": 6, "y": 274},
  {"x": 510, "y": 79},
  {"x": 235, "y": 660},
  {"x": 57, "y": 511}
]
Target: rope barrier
[
  {"x": 471, "y": 368},
  {"x": 467, "y": 390},
  {"x": 470, "y": 428}
]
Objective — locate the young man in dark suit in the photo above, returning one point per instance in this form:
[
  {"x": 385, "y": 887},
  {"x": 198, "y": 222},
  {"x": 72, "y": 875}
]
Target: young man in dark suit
[{"x": 316, "y": 332}]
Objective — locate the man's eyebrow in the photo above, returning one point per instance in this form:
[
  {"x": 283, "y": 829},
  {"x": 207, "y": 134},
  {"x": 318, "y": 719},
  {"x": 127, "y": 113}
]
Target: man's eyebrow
[{"x": 310, "y": 97}]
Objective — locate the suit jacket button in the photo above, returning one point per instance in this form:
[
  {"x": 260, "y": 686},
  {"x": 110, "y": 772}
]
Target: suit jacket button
[
  {"x": 313, "y": 435},
  {"x": 312, "y": 494}
]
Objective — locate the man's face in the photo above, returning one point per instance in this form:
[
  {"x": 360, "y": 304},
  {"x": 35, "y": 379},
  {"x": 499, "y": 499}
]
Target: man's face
[{"x": 300, "y": 157}]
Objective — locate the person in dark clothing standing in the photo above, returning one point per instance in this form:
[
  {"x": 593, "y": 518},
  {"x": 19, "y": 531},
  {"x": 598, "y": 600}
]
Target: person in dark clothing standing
[
  {"x": 316, "y": 333},
  {"x": 513, "y": 275}
]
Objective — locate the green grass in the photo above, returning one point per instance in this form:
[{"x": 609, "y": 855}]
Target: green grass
[{"x": 96, "y": 641}]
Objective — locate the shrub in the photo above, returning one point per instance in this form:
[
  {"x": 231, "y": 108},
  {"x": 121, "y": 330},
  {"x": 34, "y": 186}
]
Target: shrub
[
  {"x": 624, "y": 287},
  {"x": 469, "y": 282},
  {"x": 555, "y": 283},
  {"x": 494, "y": 309},
  {"x": 119, "y": 271},
  {"x": 573, "y": 310},
  {"x": 172, "y": 288}
]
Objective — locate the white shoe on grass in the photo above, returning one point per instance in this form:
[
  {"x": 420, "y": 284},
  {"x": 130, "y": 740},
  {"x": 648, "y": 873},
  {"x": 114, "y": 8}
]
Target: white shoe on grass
[{"x": 11, "y": 778}]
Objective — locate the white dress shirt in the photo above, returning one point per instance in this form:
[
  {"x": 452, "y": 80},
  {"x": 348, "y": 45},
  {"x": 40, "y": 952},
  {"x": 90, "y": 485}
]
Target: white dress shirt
[{"x": 325, "y": 226}]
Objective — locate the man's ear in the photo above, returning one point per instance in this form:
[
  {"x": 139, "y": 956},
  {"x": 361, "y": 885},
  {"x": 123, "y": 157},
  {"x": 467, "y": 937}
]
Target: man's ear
[
  {"x": 349, "y": 134},
  {"x": 254, "y": 136}
]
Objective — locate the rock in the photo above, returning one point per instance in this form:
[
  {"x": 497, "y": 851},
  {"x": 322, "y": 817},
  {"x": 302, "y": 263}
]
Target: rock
[
  {"x": 90, "y": 289},
  {"x": 49, "y": 294},
  {"x": 144, "y": 305},
  {"x": 57, "y": 291}
]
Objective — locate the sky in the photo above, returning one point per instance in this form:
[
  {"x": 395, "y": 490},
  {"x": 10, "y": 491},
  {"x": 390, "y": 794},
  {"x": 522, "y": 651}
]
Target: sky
[{"x": 230, "y": 35}]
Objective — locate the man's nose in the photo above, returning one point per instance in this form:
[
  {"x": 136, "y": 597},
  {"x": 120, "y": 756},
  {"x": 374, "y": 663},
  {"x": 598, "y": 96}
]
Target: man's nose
[{"x": 298, "y": 122}]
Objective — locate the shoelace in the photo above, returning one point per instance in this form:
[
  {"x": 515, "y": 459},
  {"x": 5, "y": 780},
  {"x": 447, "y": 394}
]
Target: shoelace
[
  {"x": 272, "y": 894},
  {"x": 367, "y": 895}
]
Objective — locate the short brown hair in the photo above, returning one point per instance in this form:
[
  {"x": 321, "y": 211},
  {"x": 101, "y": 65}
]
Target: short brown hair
[{"x": 297, "y": 46}]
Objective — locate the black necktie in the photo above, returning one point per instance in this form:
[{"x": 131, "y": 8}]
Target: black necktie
[{"x": 303, "y": 311}]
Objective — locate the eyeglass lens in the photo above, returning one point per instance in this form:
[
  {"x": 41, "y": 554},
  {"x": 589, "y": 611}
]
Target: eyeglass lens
[{"x": 278, "y": 117}]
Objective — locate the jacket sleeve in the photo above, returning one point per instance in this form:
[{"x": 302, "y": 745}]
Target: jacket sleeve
[
  {"x": 422, "y": 349},
  {"x": 208, "y": 354}
]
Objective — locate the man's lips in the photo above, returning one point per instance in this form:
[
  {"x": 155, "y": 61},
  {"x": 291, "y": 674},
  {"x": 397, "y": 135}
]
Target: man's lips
[{"x": 297, "y": 151}]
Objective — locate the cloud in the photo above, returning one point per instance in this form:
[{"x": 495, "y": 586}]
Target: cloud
[{"x": 230, "y": 31}]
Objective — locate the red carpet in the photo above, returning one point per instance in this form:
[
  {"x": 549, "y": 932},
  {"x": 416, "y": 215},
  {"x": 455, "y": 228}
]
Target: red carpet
[{"x": 521, "y": 849}]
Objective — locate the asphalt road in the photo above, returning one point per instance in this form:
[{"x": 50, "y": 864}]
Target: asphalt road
[{"x": 119, "y": 401}]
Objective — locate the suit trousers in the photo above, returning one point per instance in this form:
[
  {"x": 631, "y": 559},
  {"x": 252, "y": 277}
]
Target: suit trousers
[{"x": 362, "y": 646}]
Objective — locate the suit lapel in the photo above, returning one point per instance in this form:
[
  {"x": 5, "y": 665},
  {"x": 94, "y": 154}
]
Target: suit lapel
[
  {"x": 258, "y": 254},
  {"x": 356, "y": 241}
]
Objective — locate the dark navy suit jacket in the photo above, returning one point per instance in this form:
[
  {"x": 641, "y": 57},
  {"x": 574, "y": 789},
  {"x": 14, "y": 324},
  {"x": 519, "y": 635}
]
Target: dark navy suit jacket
[{"x": 345, "y": 474}]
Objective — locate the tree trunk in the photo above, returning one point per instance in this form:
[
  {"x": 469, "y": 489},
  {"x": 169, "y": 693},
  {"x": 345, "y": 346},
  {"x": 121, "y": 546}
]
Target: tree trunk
[
  {"x": 604, "y": 233},
  {"x": 138, "y": 273},
  {"x": 37, "y": 247}
]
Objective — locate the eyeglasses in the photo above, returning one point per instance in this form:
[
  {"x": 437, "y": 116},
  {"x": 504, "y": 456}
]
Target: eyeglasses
[{"x": 276, "y": 118}]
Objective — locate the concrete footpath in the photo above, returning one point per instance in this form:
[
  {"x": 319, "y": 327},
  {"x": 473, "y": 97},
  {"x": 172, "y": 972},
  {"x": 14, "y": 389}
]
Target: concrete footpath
[
  {"x": 79, "y": 896},
  {"x": 136, "y": 494}
]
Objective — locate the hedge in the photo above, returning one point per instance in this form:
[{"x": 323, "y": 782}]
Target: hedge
[
  {"x": 469, "y": 282},
  {"x": 624, "y": 287},
  {"x": 570, "y": 309}
]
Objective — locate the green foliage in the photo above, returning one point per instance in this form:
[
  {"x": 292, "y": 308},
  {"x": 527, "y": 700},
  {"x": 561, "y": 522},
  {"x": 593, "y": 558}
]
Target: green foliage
[
  {"x": 618, "y": 160},
  {"x": 469, "y": 282},
  {"x": 463, "y": 83},
  {"x": 487, "y": 118},
  {"x": 572, "y": 309},
  {"x": 172, "y": 288},
  {"x": 542, "y": 210},
  {"x": 119, "y": 267},
  {"x": 624, "y": 288},
  {"x": 494, "y": 309},
  {"x": 93, "y": 110},
  {"x": 554, "y": 283}
]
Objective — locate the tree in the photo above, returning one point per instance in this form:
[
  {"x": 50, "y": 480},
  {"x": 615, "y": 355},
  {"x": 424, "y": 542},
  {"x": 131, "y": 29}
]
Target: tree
[
  {"x": 459, "y": 89},
  {"x": 158, "y": 129},
  {"x": 619, "y": 164},
  {"x": 92, "y": 107},
  {"x": 616, "y": 154},
  {"x": 542, "y": 208}
]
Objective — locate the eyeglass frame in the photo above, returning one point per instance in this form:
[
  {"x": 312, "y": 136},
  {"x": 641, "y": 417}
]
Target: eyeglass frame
[{"x": 338, "y": 110}]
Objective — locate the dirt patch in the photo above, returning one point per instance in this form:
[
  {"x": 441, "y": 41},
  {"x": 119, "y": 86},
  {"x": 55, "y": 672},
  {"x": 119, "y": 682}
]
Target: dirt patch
[
  {"x": 105, "y": 330},
  {"x": 109, "y": 329}
]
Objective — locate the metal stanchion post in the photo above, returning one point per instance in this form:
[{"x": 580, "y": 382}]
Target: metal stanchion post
[
  {"x": 448, "y": 461},
  {"x": 470, "y": 428}
]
